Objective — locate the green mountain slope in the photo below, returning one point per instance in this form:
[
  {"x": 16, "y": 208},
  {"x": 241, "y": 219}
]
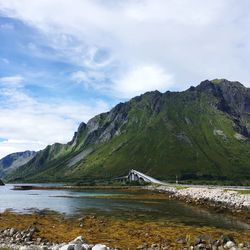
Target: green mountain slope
[{"x": 202, "y": 132}]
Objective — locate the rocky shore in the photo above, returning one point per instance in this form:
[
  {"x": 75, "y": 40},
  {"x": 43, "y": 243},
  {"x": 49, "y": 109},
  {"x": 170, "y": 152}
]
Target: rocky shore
[
  {"x": 12, "y": 238},
  {"x": 51, "y": 231},
  {"x": 210, "y": 196}
]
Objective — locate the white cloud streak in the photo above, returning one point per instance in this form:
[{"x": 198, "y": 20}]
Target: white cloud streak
[
  {"x": 11, "y": 80},
  {"x": 30, "y": 124}
]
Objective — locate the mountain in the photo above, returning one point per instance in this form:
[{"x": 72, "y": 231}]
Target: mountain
[
  {"x": 200, "y": 133},
  {"x": 13, "y": 161}
]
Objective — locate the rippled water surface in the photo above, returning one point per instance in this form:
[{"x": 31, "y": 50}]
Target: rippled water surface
[{"x": 80, "y": 202}]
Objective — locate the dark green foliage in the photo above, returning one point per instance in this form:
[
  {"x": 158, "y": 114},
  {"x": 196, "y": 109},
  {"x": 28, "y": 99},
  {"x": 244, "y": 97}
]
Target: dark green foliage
[{"x": 200, "y": 134}]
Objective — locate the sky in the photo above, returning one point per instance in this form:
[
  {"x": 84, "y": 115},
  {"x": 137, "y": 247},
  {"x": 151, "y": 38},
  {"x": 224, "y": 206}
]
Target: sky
[{"x": 65, "y": 61}]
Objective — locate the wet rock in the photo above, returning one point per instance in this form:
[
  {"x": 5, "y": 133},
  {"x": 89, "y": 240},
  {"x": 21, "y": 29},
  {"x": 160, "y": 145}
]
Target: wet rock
[
  {"x": 226, "y": 238},
  {"x": 141, "y": 247},
  {"x": 201, "y": 239},
  {"x": 200, "y": 246},
  {"x": 181, "y": 240},
  {"x": 241, "y": 245}
]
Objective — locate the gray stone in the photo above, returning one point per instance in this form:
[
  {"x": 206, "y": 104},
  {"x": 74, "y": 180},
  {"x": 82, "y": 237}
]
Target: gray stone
[
  {"x": 229, "y": 245},
  {"x": 241, "y": 245},
  {"x": 99, "y": 247},
  {"x": 67, "y": 247},
  {"x": 88, "y": 246},
  {"x": 55, "y": 248},
  {"x": 12, "y": 231},
  {"x": 78, "y": 240},
  {"x": 78, "y": 247}
]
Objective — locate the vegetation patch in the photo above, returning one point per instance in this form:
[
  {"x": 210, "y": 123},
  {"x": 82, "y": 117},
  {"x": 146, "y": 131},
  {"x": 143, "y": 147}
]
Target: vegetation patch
[
  {"x": 181, "y": 187},
  {"x": 123, "y": 233},
  {"x": 243, "y": 191}
]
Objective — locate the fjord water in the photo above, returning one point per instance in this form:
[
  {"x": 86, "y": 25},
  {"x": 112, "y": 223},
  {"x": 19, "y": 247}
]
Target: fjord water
[{"x": 83, "y": 202}]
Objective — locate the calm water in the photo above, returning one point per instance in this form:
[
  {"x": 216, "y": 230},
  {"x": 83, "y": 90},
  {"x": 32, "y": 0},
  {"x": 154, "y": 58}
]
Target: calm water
[{"x": 79, "y": 203}]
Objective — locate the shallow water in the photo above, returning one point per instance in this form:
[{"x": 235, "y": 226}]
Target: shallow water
[{"x": 82, "y": 202}]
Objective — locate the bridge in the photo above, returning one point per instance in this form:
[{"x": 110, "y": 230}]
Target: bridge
[{"x": 134, "y": 175}]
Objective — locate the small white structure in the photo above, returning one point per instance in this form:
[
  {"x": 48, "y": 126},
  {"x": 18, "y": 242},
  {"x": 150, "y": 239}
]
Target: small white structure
[{"x": 134, "y": 175}]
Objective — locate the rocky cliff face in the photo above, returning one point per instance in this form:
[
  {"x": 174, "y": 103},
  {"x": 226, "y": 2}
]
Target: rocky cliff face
[
  {"x": 234, "y": 99},
  {"x": 202, "y": 132},
  {"x": 13, "y": 161}
]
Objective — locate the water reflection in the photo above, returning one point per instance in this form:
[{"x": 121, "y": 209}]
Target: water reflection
[{"x": 83, "y": 202}]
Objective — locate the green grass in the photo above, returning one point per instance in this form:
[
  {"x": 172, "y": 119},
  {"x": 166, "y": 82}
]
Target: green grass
[
  {"x": 181, "y": 187},
  {"x": 243, "y": 191},
  {"x": 238, "y": 191}
]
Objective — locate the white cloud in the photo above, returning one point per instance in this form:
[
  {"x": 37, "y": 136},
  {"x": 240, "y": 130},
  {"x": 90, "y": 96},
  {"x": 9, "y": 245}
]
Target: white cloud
[
  {"x": 11, "y": 80},
  {"x": 11, "y": 146},
  {"x": 123, "y": 48},
  {"x": 30, "y": 124},
  {"x": 80, "y": 76},
  {"x": 190, "y": 39},
  {"x": 90, "y": 79},
  {"x": 142, "y": 78}
]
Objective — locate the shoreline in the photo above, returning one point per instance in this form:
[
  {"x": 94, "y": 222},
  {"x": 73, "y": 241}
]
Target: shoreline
[
  {"x": 116, "y": 233},
  {"x": 218, "y": 199},
  {"x": 218, "y": 196}
]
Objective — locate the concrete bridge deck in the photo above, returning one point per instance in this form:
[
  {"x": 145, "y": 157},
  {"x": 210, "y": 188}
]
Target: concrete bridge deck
[{"x": 135, "y": 175}]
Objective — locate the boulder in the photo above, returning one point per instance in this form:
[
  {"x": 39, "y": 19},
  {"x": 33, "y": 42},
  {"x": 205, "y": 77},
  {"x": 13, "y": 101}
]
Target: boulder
[
  {"x": 99, "y": 247},
  {"x": 1, "y": 183},
  {"x": 87, "y": 246},
  {"x": 230, "y": 244},
  {"x": 67, "y": 247}
]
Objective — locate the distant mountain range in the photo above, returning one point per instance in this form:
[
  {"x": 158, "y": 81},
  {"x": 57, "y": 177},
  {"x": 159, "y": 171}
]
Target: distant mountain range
[
  {"x": 13, "y": 161},
  {"x": 201, "y": 133}
]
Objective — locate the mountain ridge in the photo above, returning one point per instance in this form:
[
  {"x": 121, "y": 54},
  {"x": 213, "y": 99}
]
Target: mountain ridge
[
  {"x": 13, "y": 161},
  {"x": 197, "y": 133}
]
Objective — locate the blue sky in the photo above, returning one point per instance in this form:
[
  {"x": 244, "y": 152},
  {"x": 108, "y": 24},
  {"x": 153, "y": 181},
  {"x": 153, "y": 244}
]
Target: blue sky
[{"x": 63, "y": 61}]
